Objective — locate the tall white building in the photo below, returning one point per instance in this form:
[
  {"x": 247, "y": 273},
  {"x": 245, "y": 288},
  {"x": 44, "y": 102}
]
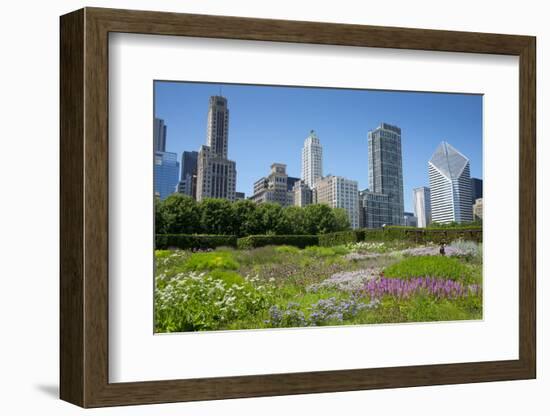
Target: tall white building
[
  {"x": 216, "y": 174},
  {"x": 450, "y": 185},
  {"x": 422, "y": 206},
  {"x": 339, "y": 192},
  {"x": 312, "y": 160}
]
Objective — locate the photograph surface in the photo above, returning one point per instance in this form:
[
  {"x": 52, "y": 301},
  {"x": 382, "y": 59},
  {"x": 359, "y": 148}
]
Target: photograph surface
[{"x": 287, "y": 206}]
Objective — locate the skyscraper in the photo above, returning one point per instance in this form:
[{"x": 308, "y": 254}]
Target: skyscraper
[
  {"x": 217, "y": 130},
  {"x": 339, "y": 192},
  {"x": 159, "y": 135},
  {"x": 374, "y": 209},
  {"x": 450, "y": 185},
  {"x": 216, "y": 174},
  {"x": 312, "y": 160},
  {"x": 166, "y": 170},
  {"x": 422, "y": 206},
  {"x": 477, "y": 189},
  {"x": 386, "y": 169},
  {"x": 188, "y": 164},
  {"x": 188, "y": 176}
]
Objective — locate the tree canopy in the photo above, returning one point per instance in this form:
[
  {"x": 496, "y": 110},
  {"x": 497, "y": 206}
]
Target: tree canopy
[{"x": 181, "y": 214}]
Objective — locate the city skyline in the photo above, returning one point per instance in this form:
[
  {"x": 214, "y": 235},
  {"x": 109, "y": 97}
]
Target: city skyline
[{"x": 256, "y": 142}]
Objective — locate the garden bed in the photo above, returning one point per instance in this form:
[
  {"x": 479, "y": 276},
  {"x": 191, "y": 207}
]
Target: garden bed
[{"x": 287, "y": 286}]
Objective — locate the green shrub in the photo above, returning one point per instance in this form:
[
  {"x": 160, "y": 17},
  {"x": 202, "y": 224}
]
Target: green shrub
[
  {"x": 318, "y": 251},
  {"x": 162, "y": 254},
  {"x": 340, "y": 250},
  {"x": 341, "y": 237},
  {"x": 211, "y": 261},
  {"x": 429, "y": 266},
  {"x": 228, "y": 278},
  {"x": 194, "y": 241},
  {"x": 300, "y": 241},
  {"x": 287, "y": 249}
]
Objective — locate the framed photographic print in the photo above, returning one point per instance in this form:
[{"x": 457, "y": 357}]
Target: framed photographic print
[{"x": 255, "y": 207}]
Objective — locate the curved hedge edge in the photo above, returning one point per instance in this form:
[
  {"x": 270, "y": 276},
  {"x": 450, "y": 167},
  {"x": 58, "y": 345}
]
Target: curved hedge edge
[{"x": 193, "y": 241}]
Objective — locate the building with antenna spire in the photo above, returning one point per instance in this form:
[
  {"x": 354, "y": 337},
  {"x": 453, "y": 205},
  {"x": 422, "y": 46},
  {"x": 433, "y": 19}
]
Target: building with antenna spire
[{"x": 216, "y": 174}]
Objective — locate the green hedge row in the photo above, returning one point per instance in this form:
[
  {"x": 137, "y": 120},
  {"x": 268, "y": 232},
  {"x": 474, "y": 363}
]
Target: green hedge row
[
  {"x": 402, "y": 233},
  {"x": 199, "y": 241},
  {"x": 300, "y": 241},
  {"x": 436, "y": 235},
  {"x": 341, "y": 237},
  {"x": 193, "y": 241}
]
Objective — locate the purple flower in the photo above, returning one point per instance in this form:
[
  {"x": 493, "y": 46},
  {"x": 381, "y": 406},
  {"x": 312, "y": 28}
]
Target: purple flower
[{"x": 404, "y": 289}]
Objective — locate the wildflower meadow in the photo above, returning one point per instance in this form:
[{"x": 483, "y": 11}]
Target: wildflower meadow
[{"x": 285, "y": 286}]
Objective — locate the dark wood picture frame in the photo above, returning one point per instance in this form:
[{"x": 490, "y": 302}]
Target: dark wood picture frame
[{"x": 84, "y": 207}]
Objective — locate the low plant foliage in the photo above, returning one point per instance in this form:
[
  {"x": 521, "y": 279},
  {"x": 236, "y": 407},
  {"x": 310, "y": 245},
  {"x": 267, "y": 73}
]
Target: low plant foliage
[
  {"x": 291, "y": 282},
  {"x": 429, "y": 266}
]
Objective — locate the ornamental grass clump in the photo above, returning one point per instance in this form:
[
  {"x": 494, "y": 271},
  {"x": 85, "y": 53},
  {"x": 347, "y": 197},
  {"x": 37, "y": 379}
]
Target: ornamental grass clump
[{"x": 469, "y": 249}]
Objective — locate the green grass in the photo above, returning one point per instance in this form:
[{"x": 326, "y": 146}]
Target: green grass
[
  {"x": 431, "y": 266},
  {"x": 423, "y": 309}
]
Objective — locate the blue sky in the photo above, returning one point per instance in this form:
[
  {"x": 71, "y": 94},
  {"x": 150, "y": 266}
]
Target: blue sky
[{"x": 269, "y": 124}]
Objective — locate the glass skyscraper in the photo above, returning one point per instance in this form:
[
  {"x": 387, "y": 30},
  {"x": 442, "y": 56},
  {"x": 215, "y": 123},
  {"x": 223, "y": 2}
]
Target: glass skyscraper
[
  {"x": 450, "y": 185},
  {"x": 166, "y": 170},
  {"x": 188, "y": 176},
  {"x": 477, "y": 189},
  {"x": 159, "y": 135},
  {"x": 386, "y": 168},
  {"x": 374, "y": 209}
]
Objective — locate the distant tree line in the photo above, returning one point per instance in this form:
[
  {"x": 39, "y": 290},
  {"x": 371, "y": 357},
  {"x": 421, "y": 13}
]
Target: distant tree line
[{"x": 181, "y": 214}]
